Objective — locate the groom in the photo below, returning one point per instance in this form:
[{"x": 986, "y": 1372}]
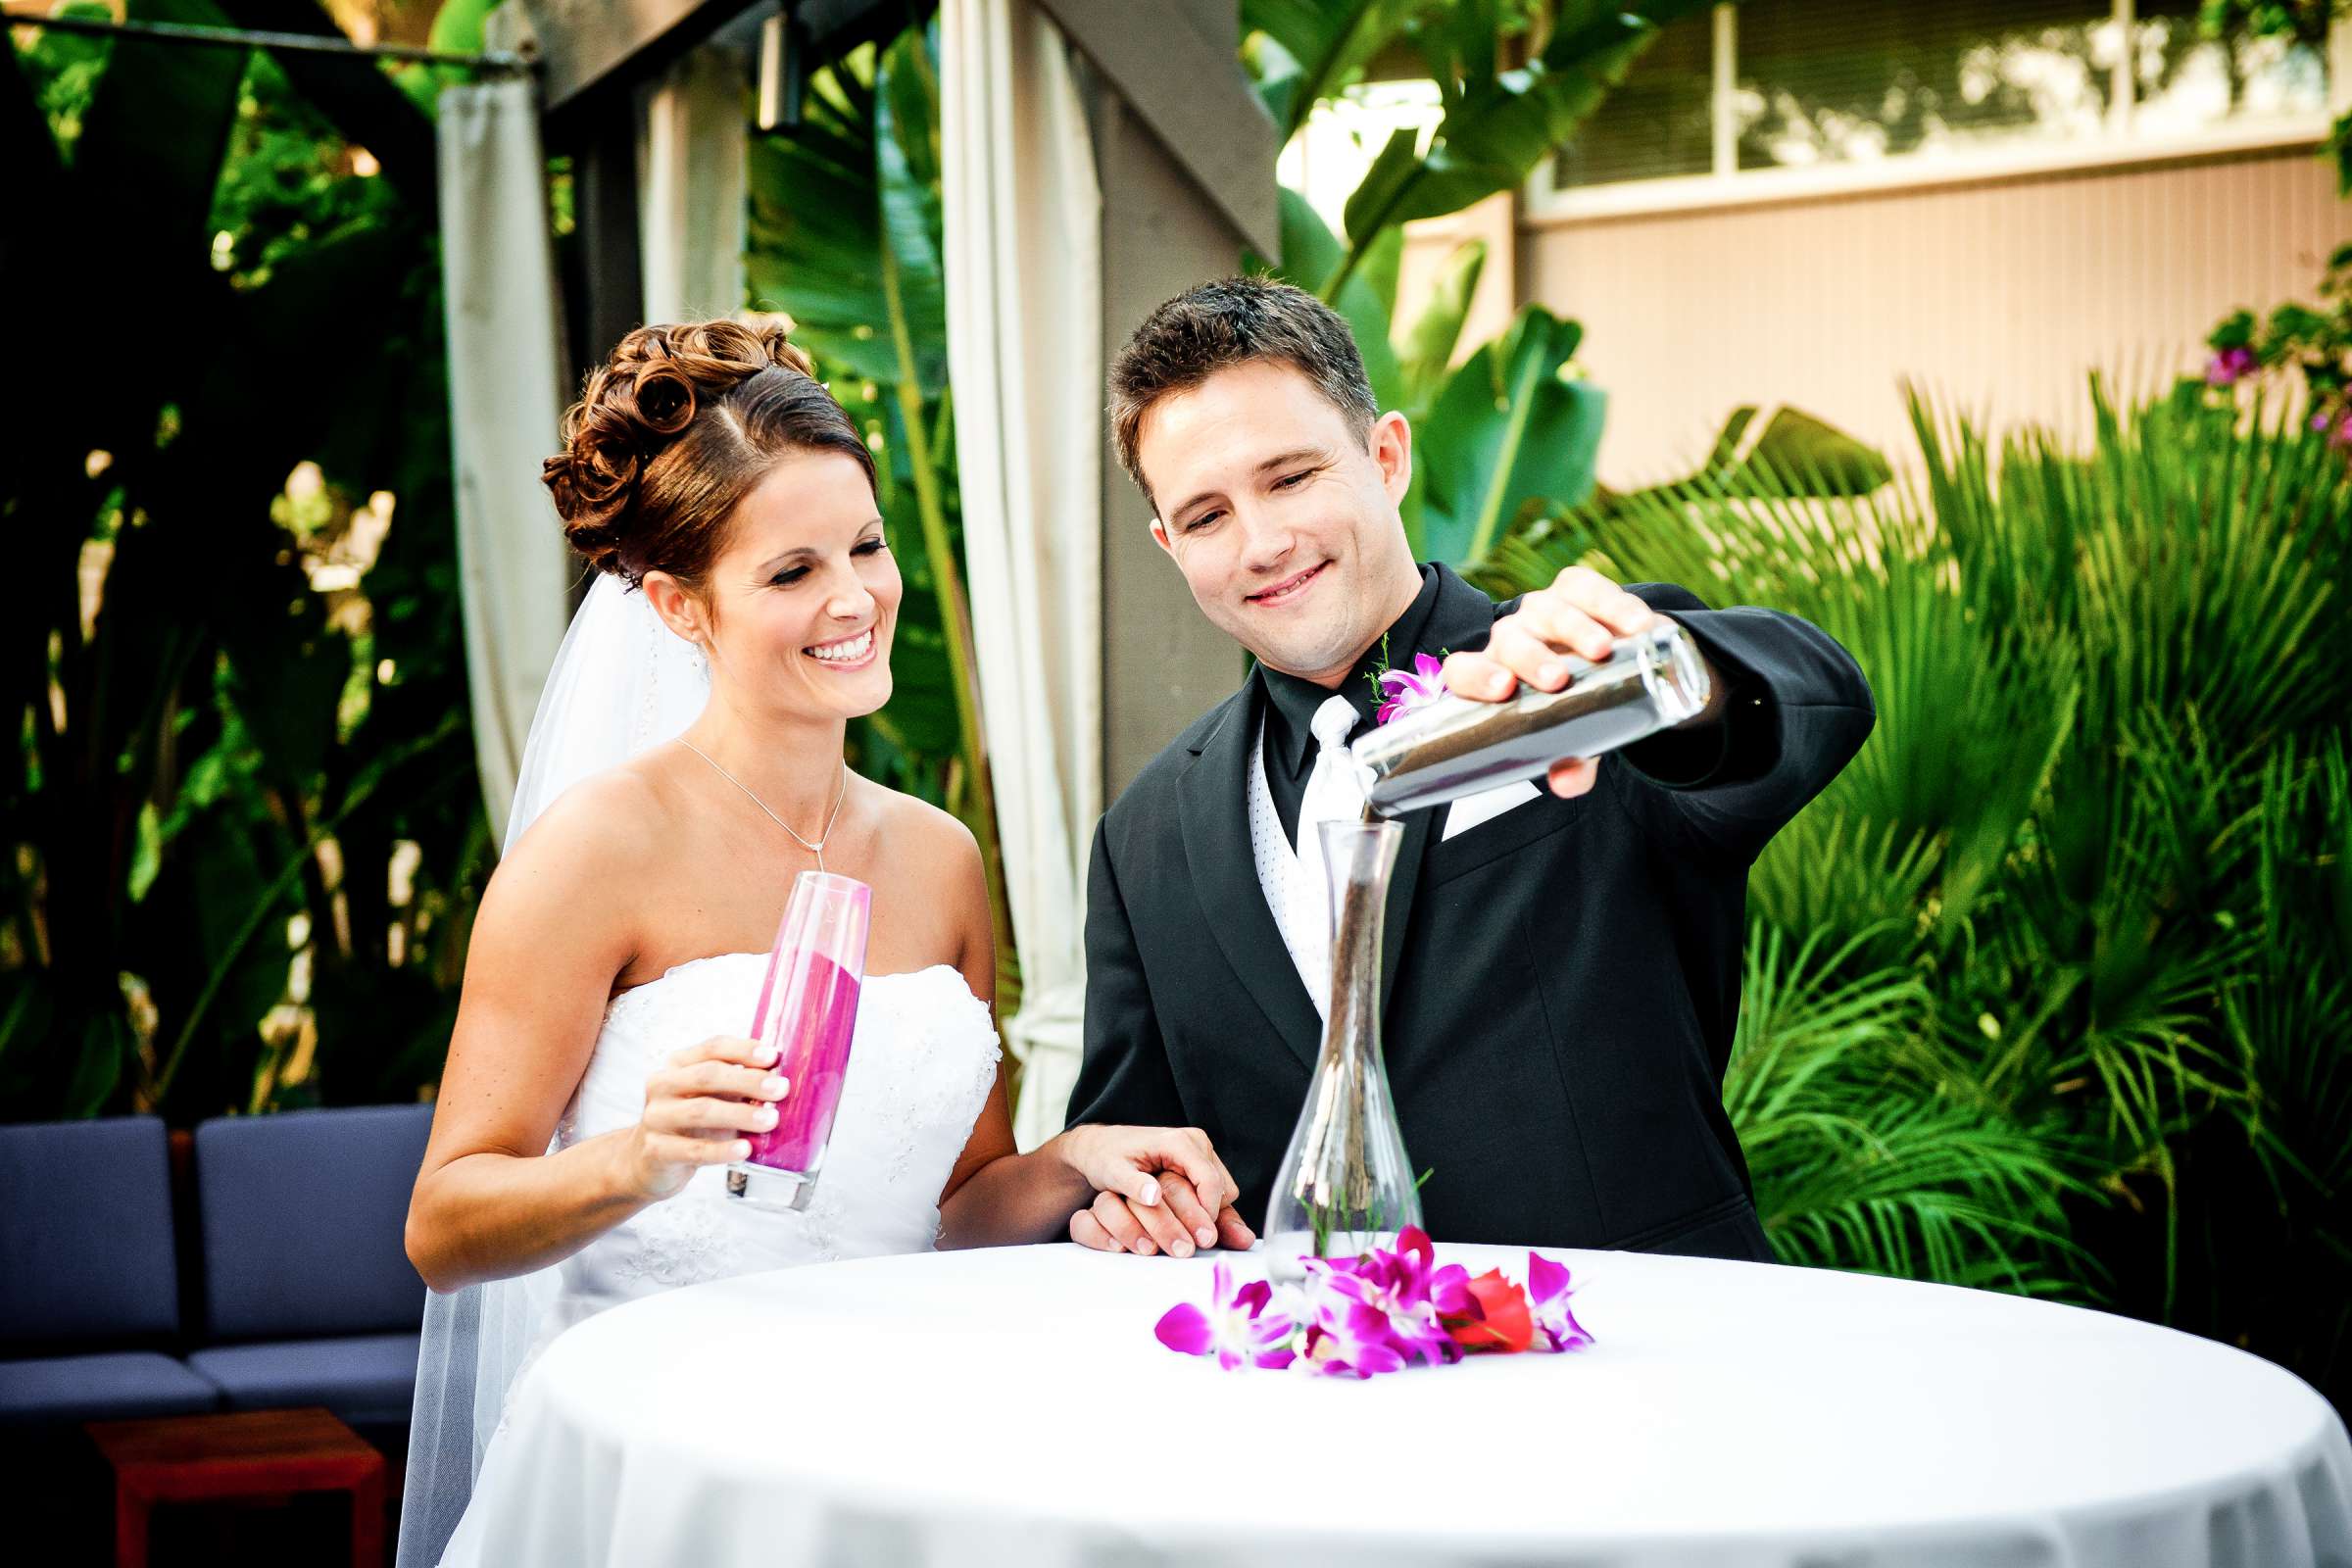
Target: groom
[{"x": 1561, "y": 973}]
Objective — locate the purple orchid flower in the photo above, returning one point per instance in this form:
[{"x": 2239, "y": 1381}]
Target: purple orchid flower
[
  {"x": 2229, "y": 366},
  {"x": 1350, "y": 1342},
  {"x": 1402, "y": 691},
  {"x": 1239, "y": 1326},
  {"x": 1382, "y": 1298},
  {"x": 1547, "y": 1293}
]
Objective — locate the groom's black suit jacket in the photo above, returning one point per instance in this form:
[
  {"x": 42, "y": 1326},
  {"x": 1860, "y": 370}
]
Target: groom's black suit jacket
[{"x": 1560, "y": 982}]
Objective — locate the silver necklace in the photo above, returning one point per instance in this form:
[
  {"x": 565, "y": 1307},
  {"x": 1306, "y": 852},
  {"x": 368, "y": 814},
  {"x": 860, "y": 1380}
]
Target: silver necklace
[{"x": 818, "y": 847}]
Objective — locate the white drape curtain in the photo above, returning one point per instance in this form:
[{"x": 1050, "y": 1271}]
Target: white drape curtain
[
  {"x": 504, "y": 392},
  {"x": 692, "y": 148},
  {"x": 1024, "y": 353},
  {"x": 505, "y": 397}
]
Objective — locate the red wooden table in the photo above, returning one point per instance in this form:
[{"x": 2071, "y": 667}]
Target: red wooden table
[{"x": 257, "y": 1453}]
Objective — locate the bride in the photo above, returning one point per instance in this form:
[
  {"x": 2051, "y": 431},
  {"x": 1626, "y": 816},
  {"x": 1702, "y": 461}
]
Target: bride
[{"x": 685, "y": 764}]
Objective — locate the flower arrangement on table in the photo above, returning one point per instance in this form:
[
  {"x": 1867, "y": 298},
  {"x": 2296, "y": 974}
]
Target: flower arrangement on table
[{"x": 1379, "y": 1311}]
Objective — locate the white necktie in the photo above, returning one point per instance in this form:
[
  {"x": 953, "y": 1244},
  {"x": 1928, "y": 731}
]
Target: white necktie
[{"x": 1334, "y": 794}]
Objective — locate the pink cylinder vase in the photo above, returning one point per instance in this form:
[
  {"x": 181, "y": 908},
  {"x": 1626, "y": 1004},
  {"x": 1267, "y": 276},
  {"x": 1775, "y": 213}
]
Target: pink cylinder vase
[{"x": 808, "y": 1010}]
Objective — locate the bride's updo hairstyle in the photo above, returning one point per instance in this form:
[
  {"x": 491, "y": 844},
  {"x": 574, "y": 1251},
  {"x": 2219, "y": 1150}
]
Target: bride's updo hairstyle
[{"x": 673, "y": 431}]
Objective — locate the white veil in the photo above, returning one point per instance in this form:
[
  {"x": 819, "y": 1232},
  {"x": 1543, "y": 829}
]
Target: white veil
[{"x": 622, "y": 682}]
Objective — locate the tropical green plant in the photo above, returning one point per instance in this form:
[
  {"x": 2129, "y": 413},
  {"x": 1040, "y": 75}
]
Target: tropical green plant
[
  {"x": 2047, "y": 988},
  {"x": 241, "y": 829},
  {"x": 846, "y": 238},
  {"x": 1509, "y": 435}
]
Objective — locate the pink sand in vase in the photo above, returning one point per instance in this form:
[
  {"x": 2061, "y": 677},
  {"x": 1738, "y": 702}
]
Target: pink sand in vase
[
  {"x": 808, "y": 1010},
  {"x": 814, "y": 1051}
]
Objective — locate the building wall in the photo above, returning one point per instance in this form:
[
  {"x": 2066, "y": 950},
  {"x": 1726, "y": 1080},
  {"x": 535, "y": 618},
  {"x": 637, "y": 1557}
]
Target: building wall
[{"x": 1998, "y": 296}]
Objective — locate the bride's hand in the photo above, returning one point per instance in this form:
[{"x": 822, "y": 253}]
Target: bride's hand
[
  {"x": 696, "y": 1106},
  {"x": 1159, "y": 1189}
]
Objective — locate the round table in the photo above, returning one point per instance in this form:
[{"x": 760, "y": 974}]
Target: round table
[{"x": 1013, "y": 1406}]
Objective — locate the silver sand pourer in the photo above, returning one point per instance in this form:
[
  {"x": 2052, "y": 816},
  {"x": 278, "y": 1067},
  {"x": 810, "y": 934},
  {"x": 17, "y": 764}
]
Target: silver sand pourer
[{"x": 1455, "y": 747}]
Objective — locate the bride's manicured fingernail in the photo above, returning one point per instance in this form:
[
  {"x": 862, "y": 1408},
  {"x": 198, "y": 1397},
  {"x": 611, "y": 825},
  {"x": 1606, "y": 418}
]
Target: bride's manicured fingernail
[
  {"x": 766, "y": 1116},
  {"x": 742, "y": 1148},
  {"x": 1205, "y": 1236},
  {"x": 772, "y": 1087},
  {"x": 1181, "y": 1249},
  {"x": 1150, "y": 1194},
  {"x": 765, "y": 1057}
]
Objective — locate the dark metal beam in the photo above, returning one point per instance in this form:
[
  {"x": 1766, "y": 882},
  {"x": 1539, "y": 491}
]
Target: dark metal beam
[
  {"x": 586, "y": 46},
  {"x": 603, "y": 271},
  {"x": 275, "y": 42}
]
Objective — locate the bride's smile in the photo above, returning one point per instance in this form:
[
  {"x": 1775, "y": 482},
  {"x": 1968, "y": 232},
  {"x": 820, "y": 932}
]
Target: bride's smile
[{"x": 850, "y": 653}]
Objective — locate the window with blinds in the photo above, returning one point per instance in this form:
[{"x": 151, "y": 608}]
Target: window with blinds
[
  {"x": 1841, "y": 81},
  {"x": 1829, "y": 82},
  {"x": 1657, "y": 121}
]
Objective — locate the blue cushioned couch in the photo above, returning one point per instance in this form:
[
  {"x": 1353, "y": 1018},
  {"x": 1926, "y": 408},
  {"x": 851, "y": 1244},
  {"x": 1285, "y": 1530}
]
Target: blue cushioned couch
[
  {"x": 89, "y": 1276},
  {"x": 307, "y": 1297}
]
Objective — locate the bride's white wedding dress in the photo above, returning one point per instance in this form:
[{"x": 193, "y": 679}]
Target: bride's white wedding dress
[
  {"x": 923, "y": 1061},
  {"x": 921, "y": 1066}
]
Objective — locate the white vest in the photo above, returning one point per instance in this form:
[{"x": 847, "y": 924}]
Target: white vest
[{"x": 1283, "y": 881}]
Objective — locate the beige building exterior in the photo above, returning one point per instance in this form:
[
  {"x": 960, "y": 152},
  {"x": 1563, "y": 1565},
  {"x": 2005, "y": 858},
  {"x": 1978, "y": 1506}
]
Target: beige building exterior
[
  {"x": 1996, "y": 295},
  {"x": 1994, "y": 276}
]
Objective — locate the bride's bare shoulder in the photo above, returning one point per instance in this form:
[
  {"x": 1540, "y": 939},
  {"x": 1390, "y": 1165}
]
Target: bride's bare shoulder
[
  {"x": 608, "y": 826},
  {"x": 918, "y": 824}
]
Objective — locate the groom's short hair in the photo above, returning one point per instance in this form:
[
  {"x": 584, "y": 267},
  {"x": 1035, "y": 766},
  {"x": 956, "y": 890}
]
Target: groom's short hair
[{"x": 1234, "y": 320}]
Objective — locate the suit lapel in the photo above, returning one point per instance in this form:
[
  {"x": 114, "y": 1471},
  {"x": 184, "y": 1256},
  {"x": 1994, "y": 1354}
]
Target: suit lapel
[
  {"x": 1461, "y": 621},
  {"x": 1213, "y": 802}
]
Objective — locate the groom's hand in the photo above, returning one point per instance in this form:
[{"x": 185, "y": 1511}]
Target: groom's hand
[
  {"x": 1581, "y": 613},
  {"x": 1174, "y": 1226},
  {"x": 1162, "y": 1189}
]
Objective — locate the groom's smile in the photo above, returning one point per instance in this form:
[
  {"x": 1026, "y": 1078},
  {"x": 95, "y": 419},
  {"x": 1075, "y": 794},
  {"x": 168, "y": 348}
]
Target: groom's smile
[{"x": 1291, "y": 589}]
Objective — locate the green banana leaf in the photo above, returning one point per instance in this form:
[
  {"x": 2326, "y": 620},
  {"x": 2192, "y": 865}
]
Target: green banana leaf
[
  {"x": 1507, "y": 432},
  {"x": 1429, "y": 344},
  {"x": 1499, "y": 124},
  {"x": 1324, "y": 46}
]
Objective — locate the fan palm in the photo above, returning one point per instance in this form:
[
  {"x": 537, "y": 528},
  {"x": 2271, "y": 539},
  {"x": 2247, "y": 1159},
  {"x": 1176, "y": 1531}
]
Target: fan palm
[{"x": 2055, "y": 970}]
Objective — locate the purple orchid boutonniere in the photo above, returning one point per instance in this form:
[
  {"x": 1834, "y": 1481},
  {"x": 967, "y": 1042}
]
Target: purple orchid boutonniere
[{"x": 1402, "y": 691}]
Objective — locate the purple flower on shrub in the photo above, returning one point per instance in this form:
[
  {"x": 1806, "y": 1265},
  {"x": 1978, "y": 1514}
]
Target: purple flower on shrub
[
  {"x": 2229, "y": 366},
  {"x": 1239, "y": 1326}
]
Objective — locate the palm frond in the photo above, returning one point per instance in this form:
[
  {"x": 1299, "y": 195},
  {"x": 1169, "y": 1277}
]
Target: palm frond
[{"x": 1868, "y": 1148}]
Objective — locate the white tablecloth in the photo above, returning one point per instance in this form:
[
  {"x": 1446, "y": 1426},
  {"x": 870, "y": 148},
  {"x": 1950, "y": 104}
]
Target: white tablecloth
[{"x": 1013, "y": 1406}]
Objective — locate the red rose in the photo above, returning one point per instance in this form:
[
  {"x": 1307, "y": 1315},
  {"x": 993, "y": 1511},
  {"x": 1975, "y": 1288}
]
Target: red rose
[{"x": 1505, "y": 1325}]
